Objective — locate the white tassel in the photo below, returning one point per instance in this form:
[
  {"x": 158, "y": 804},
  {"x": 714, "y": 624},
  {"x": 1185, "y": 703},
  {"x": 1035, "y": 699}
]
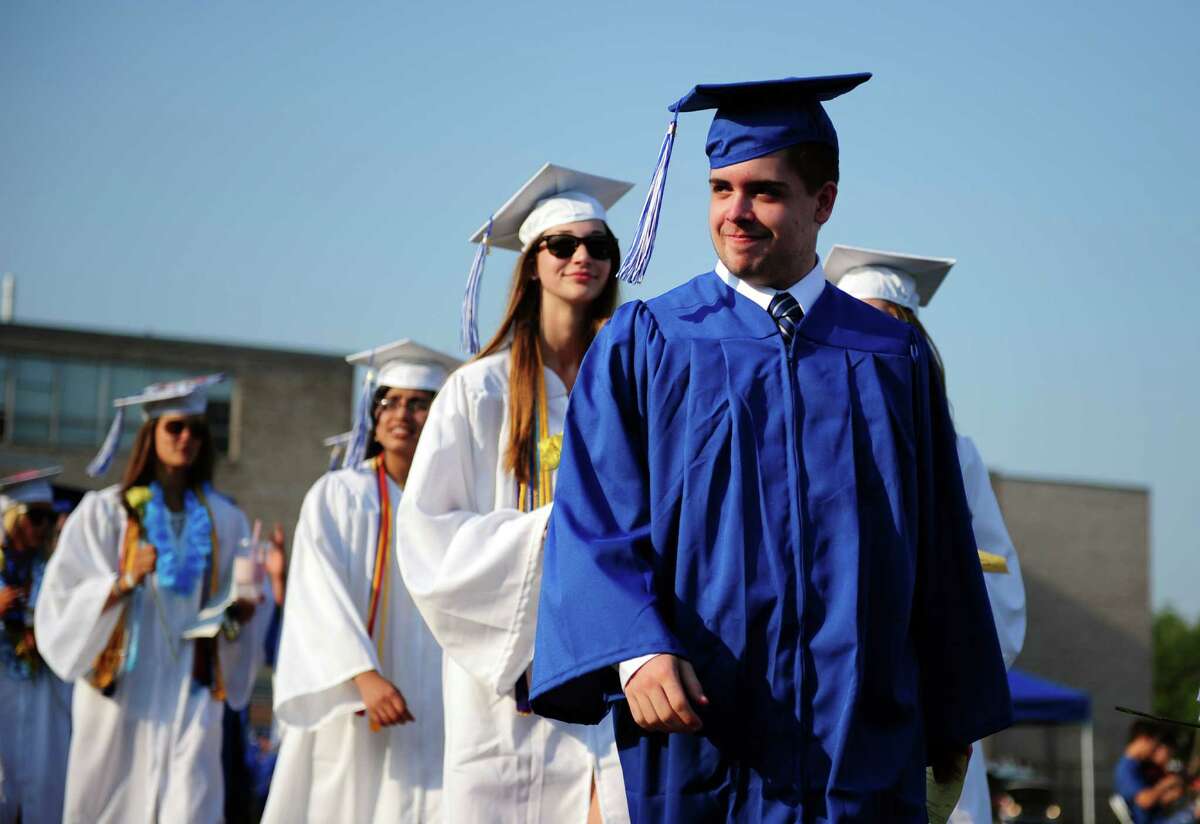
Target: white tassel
[
  {"x": 633, "y": 269},
  {"x": 108, "y": 449},
  {"x": 469, "y": 335},
  {"x": 360, "y": 434}
]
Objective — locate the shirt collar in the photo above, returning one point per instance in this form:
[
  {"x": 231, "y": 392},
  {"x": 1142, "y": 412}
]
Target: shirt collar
[{"x": 805, "y": 291}]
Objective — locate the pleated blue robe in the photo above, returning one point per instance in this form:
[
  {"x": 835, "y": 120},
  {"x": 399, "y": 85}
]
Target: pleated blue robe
[{"x": 792, "y": 521}]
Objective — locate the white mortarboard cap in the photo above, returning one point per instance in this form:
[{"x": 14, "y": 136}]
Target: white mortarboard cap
[
  {"x": 188, "y": 396},
  {"x": 406, "y": 364},
  {"x": 554, "y": 196},
  {"x": 29, "y": 487},
  {"x": 402, "y": 364},
  {"x": 906, "y": 280}
]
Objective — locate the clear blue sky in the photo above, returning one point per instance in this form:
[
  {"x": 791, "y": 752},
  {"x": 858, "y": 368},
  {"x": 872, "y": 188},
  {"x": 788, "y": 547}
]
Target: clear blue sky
[{"x": 306, "y": 174}]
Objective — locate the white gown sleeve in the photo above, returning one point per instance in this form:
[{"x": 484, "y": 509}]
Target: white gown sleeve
[
  {"x": 70, "y": 621},
  {"x": 1005, "y": 591},
  {"x": 473, "y": 569},
  {"x": 324, "y": 643},
  {"x": 241, "y": 659}
]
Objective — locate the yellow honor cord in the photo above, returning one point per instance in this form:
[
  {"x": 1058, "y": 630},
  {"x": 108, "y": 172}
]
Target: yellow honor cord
[{"x": 992, "y": 562}]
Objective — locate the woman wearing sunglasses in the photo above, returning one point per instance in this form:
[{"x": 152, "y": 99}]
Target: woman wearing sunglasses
[
  {"x": 898, "y": 285},
  {"x": 474, "y": 513},
  {"x": 120, "y": 614},
  {"x": 35, "y": 705}
]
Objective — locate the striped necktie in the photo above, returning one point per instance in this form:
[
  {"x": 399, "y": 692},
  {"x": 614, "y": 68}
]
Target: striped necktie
[{"x": 787, "y": 314}]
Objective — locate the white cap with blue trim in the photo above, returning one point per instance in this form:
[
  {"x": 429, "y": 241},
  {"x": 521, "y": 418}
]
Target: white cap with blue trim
[{"x": 182, "y": 397}]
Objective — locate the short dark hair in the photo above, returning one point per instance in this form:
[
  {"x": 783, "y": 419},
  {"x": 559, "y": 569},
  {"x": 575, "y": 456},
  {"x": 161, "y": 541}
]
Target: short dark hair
[
  {"x": 1145, "y": 729},
  {"x": 374, "y": 447},
  {"x": 815, "y": 163}
]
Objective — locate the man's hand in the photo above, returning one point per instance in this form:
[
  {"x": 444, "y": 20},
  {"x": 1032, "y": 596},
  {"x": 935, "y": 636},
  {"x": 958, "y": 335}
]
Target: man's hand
[
  {"x": 385, "y": 704},
  {"x": 662, "y": 693},
  {"x": 276, "y": 563},
  {"x": 950, "y": 764},
  {"x": 1170, "y": 789},
  {"x": 242, "y": 610},
  {"x": 944, "y": 781},
  {"x": 8, "y": 597}
]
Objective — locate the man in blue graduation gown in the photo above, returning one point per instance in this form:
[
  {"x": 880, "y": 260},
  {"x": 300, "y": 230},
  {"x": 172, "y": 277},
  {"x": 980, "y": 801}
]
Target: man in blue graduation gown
[{"x": 760, "y": 552}]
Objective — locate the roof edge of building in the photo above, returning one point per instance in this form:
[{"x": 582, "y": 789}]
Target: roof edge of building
[{"x": 88, "y": 341}]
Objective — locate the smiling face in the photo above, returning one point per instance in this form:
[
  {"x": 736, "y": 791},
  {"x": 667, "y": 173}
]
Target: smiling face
[
  {"x": 399, "y": 418},
  {"x": 764, "y": 221},
  {"x": 178, "y": 439},
  {"x": 580, "y": 277}
]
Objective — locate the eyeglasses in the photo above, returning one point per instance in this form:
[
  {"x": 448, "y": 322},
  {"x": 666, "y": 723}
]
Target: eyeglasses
[
  {"x": 175, "y": 428},
  {"x": 563, "y": 246},
  {"x": 411, "y": 405}
]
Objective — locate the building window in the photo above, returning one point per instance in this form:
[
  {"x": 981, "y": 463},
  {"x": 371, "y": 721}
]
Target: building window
[{"x": 61, "y": 403}]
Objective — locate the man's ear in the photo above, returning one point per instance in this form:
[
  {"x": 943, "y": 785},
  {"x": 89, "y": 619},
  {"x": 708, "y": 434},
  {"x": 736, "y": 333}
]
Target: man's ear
[{"x": 826, "y": 197}]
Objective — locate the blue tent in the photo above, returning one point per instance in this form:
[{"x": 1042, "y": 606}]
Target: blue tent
[{"x": 1038, "y": 701}]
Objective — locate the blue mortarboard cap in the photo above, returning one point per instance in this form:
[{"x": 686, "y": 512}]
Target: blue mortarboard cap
[
  {"x": 756, "y": 119},
  {"x": 752, "y": 120}
]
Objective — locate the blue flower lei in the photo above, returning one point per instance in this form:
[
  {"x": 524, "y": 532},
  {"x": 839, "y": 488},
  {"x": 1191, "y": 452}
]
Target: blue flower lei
[{"x": 180, "y": 564}]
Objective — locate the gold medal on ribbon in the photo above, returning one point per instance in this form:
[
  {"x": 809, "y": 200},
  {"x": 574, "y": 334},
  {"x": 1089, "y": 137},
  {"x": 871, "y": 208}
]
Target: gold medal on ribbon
[{"x": 550, "y": 451}]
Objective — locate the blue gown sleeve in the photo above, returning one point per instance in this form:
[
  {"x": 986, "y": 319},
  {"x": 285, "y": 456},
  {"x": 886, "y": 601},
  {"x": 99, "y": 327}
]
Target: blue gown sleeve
[
  {"x": 599, "y": 598},
  {"x": 964, "y": 684}
]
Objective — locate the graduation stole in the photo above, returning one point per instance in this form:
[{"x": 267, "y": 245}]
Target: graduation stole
[
  {"x": 120, "y": 652},
  {"x": 380, "y": 579},
  {"x": 539, "y": 491},
  {"x": 206, "y": 662},
  {"x": 543, "y": 457}
]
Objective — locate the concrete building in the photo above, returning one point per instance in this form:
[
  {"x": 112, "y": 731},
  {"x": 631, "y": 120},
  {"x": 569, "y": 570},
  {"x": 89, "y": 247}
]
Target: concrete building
[
  {"x": 1085, "y": 557},
  {"x": 57, "y": 386}
]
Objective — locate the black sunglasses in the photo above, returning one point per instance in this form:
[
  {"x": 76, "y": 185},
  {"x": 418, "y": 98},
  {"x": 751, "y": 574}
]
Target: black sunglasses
[
  {"x": 563, "y": 246},
  {"x": 175, "y": 428}
]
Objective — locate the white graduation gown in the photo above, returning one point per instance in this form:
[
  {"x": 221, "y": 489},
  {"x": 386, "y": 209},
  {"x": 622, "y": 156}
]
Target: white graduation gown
[
  {"x": 1007, "y": 595},
  {"x": 473, "y": 564},
  {"x": 35, "y": 732},
  {"x": 331, "y": 767},
  {"x": 152, "y": 751}
]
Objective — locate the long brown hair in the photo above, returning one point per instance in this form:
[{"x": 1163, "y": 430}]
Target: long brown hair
[
  {"x": 521, "y": 328},
  {"x": 143, "y": 460},
  {"x": 910, "y": 317}
]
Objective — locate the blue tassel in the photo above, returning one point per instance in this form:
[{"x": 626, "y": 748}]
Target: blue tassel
[
  {"x": 633, "y": 269},
  {"x": 360, "y": 434},
  {"x": 108, "y": 449},
  {"x": 469, "y": 335}
]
